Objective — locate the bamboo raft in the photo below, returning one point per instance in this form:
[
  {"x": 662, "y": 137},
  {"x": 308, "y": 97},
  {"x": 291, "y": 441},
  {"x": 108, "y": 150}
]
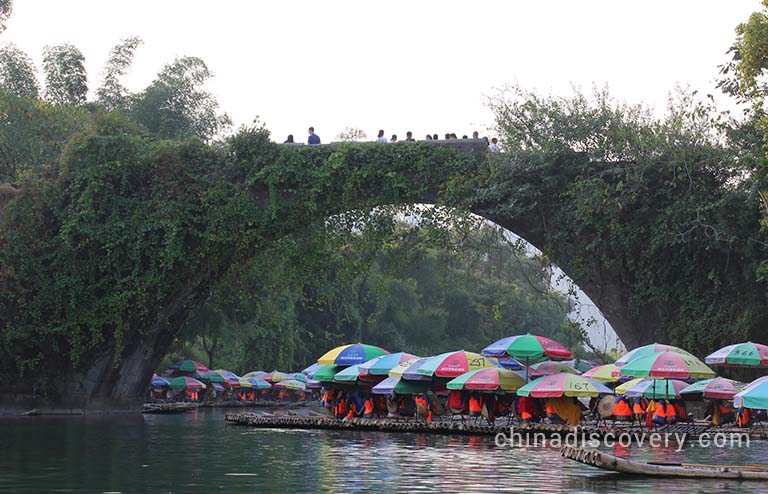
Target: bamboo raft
[
  {"x": 447, "y": 426},
  {"x": 174, "y": 407},
  {"x": 606, "y": 461}
]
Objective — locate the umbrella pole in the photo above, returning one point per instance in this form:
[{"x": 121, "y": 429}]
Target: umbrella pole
[{"x": 526, "y": 369}]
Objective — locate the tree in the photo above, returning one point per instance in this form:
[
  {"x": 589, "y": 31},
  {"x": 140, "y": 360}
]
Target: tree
[
  {"x": 6, "y": 9},
  {"x": 112, "y": 94},
  {"x": 351, "y": 134},
  {"x": 66, "y": 82},
  {"x": 176, "y": 106},
  {"x": 17, "y": 72}
]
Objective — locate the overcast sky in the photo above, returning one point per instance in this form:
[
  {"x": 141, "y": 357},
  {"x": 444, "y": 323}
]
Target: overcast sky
[{"x": 424, "y": 65}]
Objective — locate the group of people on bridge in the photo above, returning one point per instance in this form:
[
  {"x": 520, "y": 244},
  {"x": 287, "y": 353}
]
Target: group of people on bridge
[{"x": 314, "y": 139}]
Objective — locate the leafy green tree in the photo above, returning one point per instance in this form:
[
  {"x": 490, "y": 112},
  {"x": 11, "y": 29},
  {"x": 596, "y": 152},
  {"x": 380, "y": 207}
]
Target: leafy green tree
[
  {"x": 17, "y": 72},
  {"x": 66, "y": 81},
  {"x": 111, "y": 94},
  {"x": 33, "y": 134},
  {"x": 6, "y": 9},
  {"x": 175, "y": 105}
]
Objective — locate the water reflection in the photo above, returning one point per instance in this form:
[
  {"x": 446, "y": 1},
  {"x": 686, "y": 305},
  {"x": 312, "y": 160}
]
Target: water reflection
[{"x": 198, "y": 452}]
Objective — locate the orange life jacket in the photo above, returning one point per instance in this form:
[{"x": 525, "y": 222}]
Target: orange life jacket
[
  {"x": 352, "y": 410},
  {"x": 660, "y": 411},
  {"x": 474, "y": 405},
  {"x": 368, "y": 410},
  {"x": 621, "y": 409},
  {"x": 671, "y": 411}
]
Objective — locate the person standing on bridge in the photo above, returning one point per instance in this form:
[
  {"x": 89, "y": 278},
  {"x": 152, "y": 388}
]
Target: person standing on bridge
[
  {"x": 493, "y": 147},
  {"x": 380, "y": 137},
  {"x": 313, "y": 138}
]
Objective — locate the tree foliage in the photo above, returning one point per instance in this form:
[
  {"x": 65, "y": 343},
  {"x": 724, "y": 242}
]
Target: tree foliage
[
  {"x": 66, "y": 81},
  {"x": 17, "y": 72},
  {"x": 176, "y": 106},
  {"x": 664, "y": 204},
  {"x": 6, "y": 9},
  {"x": 111, "y": 94}
]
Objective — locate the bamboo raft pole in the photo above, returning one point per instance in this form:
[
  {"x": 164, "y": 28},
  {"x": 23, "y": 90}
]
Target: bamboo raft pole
[{"x": 607, "y": 461}]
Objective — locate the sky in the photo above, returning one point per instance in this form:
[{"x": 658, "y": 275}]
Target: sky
[
  {"x": 421, "y": 65},
  {"x": 425, "y": 66}
]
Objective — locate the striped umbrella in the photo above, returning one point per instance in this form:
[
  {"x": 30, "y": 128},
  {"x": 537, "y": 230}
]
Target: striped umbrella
[
  {"x": 381, "y": 365},
  {"x": 667, "y": 364},
  {"x": 656, "y": 389},
  {"x": 451, "y": 364},
  {"x": 185, "y": 382},
  {"x": 549, "y": 367},
  {"x": 603, "y": 373},
  {"x": 563, "y": 385},
  {"x": 400, "y": 386},
  {"x": 747, "y": 354},
  {"x": 718, "y": 388},
  {"x": 642, "y": 351},
  {"x": 754, "y": 395},
  {"x": 351, "y": 354},
  {"x": 492, "y": 379},
  {"x": 257, "y": 383}
]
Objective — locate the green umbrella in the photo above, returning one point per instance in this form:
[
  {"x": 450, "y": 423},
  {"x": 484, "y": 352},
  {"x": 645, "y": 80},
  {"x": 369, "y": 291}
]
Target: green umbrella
[
  {"x": 327, "y": 372},
  {"x": 667, "y": 364}
]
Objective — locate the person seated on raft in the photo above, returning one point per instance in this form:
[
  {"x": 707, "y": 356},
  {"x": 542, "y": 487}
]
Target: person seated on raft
[
  {"x": 527, "y": 409},
  {"x": 564, "y": 410},
  {"x": 475, "y": 405},
  {"x": 368, "y": 407},
  {"x": 621, "y": 410},
  {"x": 638, "y": 409},
  {"x": 718, "y": 413}
]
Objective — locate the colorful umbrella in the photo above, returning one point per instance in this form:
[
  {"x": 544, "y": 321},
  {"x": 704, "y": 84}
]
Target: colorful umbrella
[
  {"x": 218, "y": 387},
  {"x": 213, "y": 377},
  {"x": 754, "y": 395},
  {"x": 326, "y": 373},
  {"x": 381, "y": 365},
  {"x": 451, "y": 364},
  {"x": 185, "y": 382},
  {"x": 656, "y": 389},
  {"x": 620, "y": 390},
  {"x": 255, "y": 374},
  {"x": 408, "y": 365},
  {"x": 351, "y": 354},
  {"x": 400, "y": 386},
  {"x": 292, "y": 384},
  {"x": 507, "y": 363},
  {"x": 581, "y": 365},
  {"x": 159, "y": 382},
  {"x": 257, "y": 383},
  {"x": 718, "y": 388},
  {"x": 603, "y": 373},
  {"x": 549, "y": 367},
  {"x": 188, "y": 366},
  {"x": 747, "y": 354},
  {"x": 311, "y": 370},
  {"x": 244, "y": 383},
  {"x": 527, "y": 346},
  {"x": 275, "y": 376},
  {"x": 667, "y": 364},
  {"x": 348, "y": 374},
  {"x": 493, "y": 379},
  {"x": 642, "y": 351},
  {"x": 563, "y": 385}
]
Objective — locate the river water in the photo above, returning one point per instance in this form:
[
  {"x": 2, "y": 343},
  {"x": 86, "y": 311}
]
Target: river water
[{"x": 198, "y": 452}]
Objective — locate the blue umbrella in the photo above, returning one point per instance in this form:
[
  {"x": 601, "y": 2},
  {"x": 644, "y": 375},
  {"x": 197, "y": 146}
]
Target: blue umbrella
[{"x": 159, "y": 382}]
